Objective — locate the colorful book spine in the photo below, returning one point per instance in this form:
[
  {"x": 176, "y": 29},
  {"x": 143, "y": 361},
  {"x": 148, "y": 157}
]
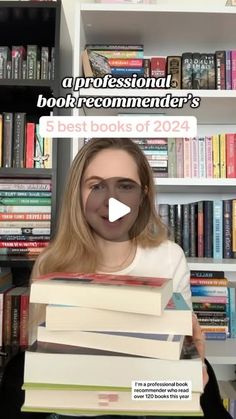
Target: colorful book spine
[
  {"x": 217, "y": 229},
  {"x": 222, "y": 151},
  {"x": 216, "y": 155}
]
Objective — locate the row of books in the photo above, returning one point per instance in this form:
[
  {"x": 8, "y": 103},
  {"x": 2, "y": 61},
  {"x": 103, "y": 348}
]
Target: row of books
[
  {"x": 214, "y": 323},
  {"x": 27, "y": 62},
  {"x": 25, "y": 215},
  {"x": 198, "y": 157},
  {"x": 189, "y": 71},
  {"x": 14, "y": 313},
  {"x": 203, "y": 228},
  {"x": 21, "y": 144},
  {"x": 109, "y": 341}
]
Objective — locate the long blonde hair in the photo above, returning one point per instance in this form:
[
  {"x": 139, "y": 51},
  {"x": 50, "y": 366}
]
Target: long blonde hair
[{"x": 73, "y": 248}]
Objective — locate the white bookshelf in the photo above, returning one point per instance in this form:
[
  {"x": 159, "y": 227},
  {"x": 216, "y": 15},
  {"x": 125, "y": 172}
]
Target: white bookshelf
[{"x": 171, "y": 27}]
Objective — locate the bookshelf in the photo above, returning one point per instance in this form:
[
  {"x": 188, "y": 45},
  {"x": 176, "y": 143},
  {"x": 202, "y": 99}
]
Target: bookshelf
[
  {"x": 30, "y": 23},
  {"x": 208, "y": 29}
]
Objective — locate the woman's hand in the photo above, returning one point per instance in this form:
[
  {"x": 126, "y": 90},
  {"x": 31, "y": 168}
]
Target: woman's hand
[{"x": 199, "y": 341}]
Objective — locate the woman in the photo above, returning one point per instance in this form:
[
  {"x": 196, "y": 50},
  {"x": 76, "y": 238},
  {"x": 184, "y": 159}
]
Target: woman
[{"x": 86, "y": 241}]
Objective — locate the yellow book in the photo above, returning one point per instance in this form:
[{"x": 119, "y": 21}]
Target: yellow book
[
  {"x": 222, "y": 155},
  {"x": 48, "y": 152},
  {"x": 216, "y": 155},
  {"x": 1, "y": 140}
]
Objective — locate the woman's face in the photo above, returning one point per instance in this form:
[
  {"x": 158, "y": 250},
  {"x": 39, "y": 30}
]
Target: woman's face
[{"x": 111, "y": 174}]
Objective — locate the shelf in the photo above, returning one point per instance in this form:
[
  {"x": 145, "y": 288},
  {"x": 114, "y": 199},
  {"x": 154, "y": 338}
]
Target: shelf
[
  {"x": 196, "y": 185},
  {"x": 12, "y": 172},
  {"x": 215, "y": 106},
  {"x": 27, "y": 83},
  {"x": 209, "y": 264},
  {"x": 221, "y": 352}
]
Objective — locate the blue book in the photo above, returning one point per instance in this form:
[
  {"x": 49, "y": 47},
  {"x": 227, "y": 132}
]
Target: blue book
[
  {"x": 232, "y": 312},
  {"x": 123, "y": 71},
  {"x": 201, "y": 290}
]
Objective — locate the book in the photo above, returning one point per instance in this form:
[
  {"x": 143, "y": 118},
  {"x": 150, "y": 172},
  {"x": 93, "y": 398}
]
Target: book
[
  {"x": 65, "y": 365},
  {"x": 153, "y": 345},
  {"x": 176, "y": 319},
  {"x": 112, "y": 292},
  {"x": 101, "y": 401}
]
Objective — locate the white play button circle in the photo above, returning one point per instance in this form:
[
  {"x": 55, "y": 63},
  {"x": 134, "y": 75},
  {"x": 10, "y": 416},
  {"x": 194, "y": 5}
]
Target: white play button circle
[{"x": 116, "y": 209}]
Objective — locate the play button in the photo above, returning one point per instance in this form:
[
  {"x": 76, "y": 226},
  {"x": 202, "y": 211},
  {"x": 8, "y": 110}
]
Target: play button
[{"x": 116, "y": 210}]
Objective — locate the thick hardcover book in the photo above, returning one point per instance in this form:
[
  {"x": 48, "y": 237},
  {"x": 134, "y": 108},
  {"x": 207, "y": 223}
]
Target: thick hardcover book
[
  {"x": 94, "y": 64},
  {"x": 97, "y": 401},
  {"x": 204, "y": 71},
  {"x": 220, "y": 70},
  {"x": 233, "y": 68},
  {"x": 18, "y": 55},
  {"x": 179, "y": 224},
  {"x": 186, "y": 230},
  {"x": 207, "y": 274},
  {"x": 187, "y": 70},
  {"x": 174, "y": 68},
  {"x": 176, "y": 319},
  {"x": 5, "y": 56},
  {"x": 211, "y": 291},
  {"x": 211, "y": 71},
  {"x": 158, "y": 67},
  {"x": 230, "y": 156},
  {"x": 227, "y": 228},
  {"x": 228, "y": 72},
  {"x": 193, "y": 229},
  {"x": 196, "y": 80},
  {"x": 208, "y": 228},
  {"x": 19, "y": 140},
  {"x": 76, "y": 366},
  {"x": 33, "y": 55},
  {"x": 7, "y": 139},
  {"x": 112, "y": 292},
  {"x": 200, "y": 229},
  {"x": 30, "y": 144},
  {"x": 44, "y": 62},
  {"x": 218, "y": 229}
]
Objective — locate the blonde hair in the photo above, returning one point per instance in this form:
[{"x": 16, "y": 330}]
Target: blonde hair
[{"x": 73, "y": 248}]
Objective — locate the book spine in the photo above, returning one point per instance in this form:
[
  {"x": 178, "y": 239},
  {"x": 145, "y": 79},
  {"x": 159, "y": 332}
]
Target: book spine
[
  {"x": 39, "y": 149},
  {"x": 7, "y": 320},
  {"x": 30, "y": 144},
  {"x": 215, "y": 335},
  {"x": 205, "y": 281},
  {"x": 27, "y": 186},
  {"x": 186, "y": 233},
  {"x": 230, "y": 156},
  {"x": 47, "y": 152},
  {"x": 228, "y": 72},
  {"x": 1, "y": 139},
  {"x": 196, "y": 76},
  {"x": 220, "y": 70},
  {"x": 24, "y": 237},
  {"x": 209, "y": 307},
  {"x": 187, "y": 157},
  {"x": 23, "y": 244},
  {"x": 158, "y": 67},
  {"x": 208, "y": 157},
  {"x": 178, "y": 224},
  {"x": 198, "y": 290},
  {"x": 18, "y": 55},
  {"x": 232, "y": 317},
  {"x": 172, "y": 222},
  {"x": 200, "y": 229},
  {"x": 202, "y": 157},
  {"x": 7, "y": 139},
  {"x": 19, "y": 140},
  {"x": 217, "y": 229},
  {"x": 179, "y": 157},
  {"x": 25, "y": 194},
  {"x": 187, "y": 70},
  {"x": 44, "y": 63},
  {"x": 120, "y": 54},
  {"x": 208, "y": 228},
  {"x": 5, "y": 56},
  {"x": 234, "y": 225},
  {"x": 122, "y": 71},
  {"x": 216, "y": 155},
  {"x": 204, "y": 71},
  {"x": 129, "y": 62},
  {"x": 227, "y": 229},
  {"x": 171, "y": 157},
  {"x": 207, "y": 274},
  {"x": 31, "y": 231},
  {"x": 25, "y": 201},
  {"x": 209, "y": 299},
  {"x": 147, "y": 67},
  {"x": 194, "y": 157},
  {"x": 193, "y": 229},
  {"x": 222, "y": 145},
  {"x": 115, "y": 47},
  {"x": 32, "y": 57},
  {"x": 211, "y": 71},
  {"x": 233, "y": 71},
  {"x": 174, "y": 69},
  {"x": 15, "y": 322},
  {"x": 20, "y": 251},
  {"x": 23, "y": 208},
  {"x": 24, "y": 316},
  {"x": 25, "y": 216}
]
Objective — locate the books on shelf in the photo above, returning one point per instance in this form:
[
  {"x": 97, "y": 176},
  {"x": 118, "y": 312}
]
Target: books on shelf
[
  {"x": 21, "y": 146},
  {"x": 115, "y": 292}
]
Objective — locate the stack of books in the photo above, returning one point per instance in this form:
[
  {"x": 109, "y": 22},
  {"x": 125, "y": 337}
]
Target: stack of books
[{"x": 101, "y": 333}]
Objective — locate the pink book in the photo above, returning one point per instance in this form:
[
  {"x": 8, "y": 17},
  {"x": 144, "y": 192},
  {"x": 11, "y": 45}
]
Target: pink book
[
  {"x": 230, "y": 156},
  {"x": 208, "y": 155},
  {"x": 233, "y": 69},
  {"x": 194, "y": 157},
  {"x": 187, "y": 157}
]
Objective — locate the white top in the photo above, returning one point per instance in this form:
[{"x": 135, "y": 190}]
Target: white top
[{"x": 166, "y": 261}]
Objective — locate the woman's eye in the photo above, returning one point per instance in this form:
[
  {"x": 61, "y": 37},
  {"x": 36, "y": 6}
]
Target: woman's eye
[
  {"x": 97, "y": 187},
  {"x": 126, "y": 186}
]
